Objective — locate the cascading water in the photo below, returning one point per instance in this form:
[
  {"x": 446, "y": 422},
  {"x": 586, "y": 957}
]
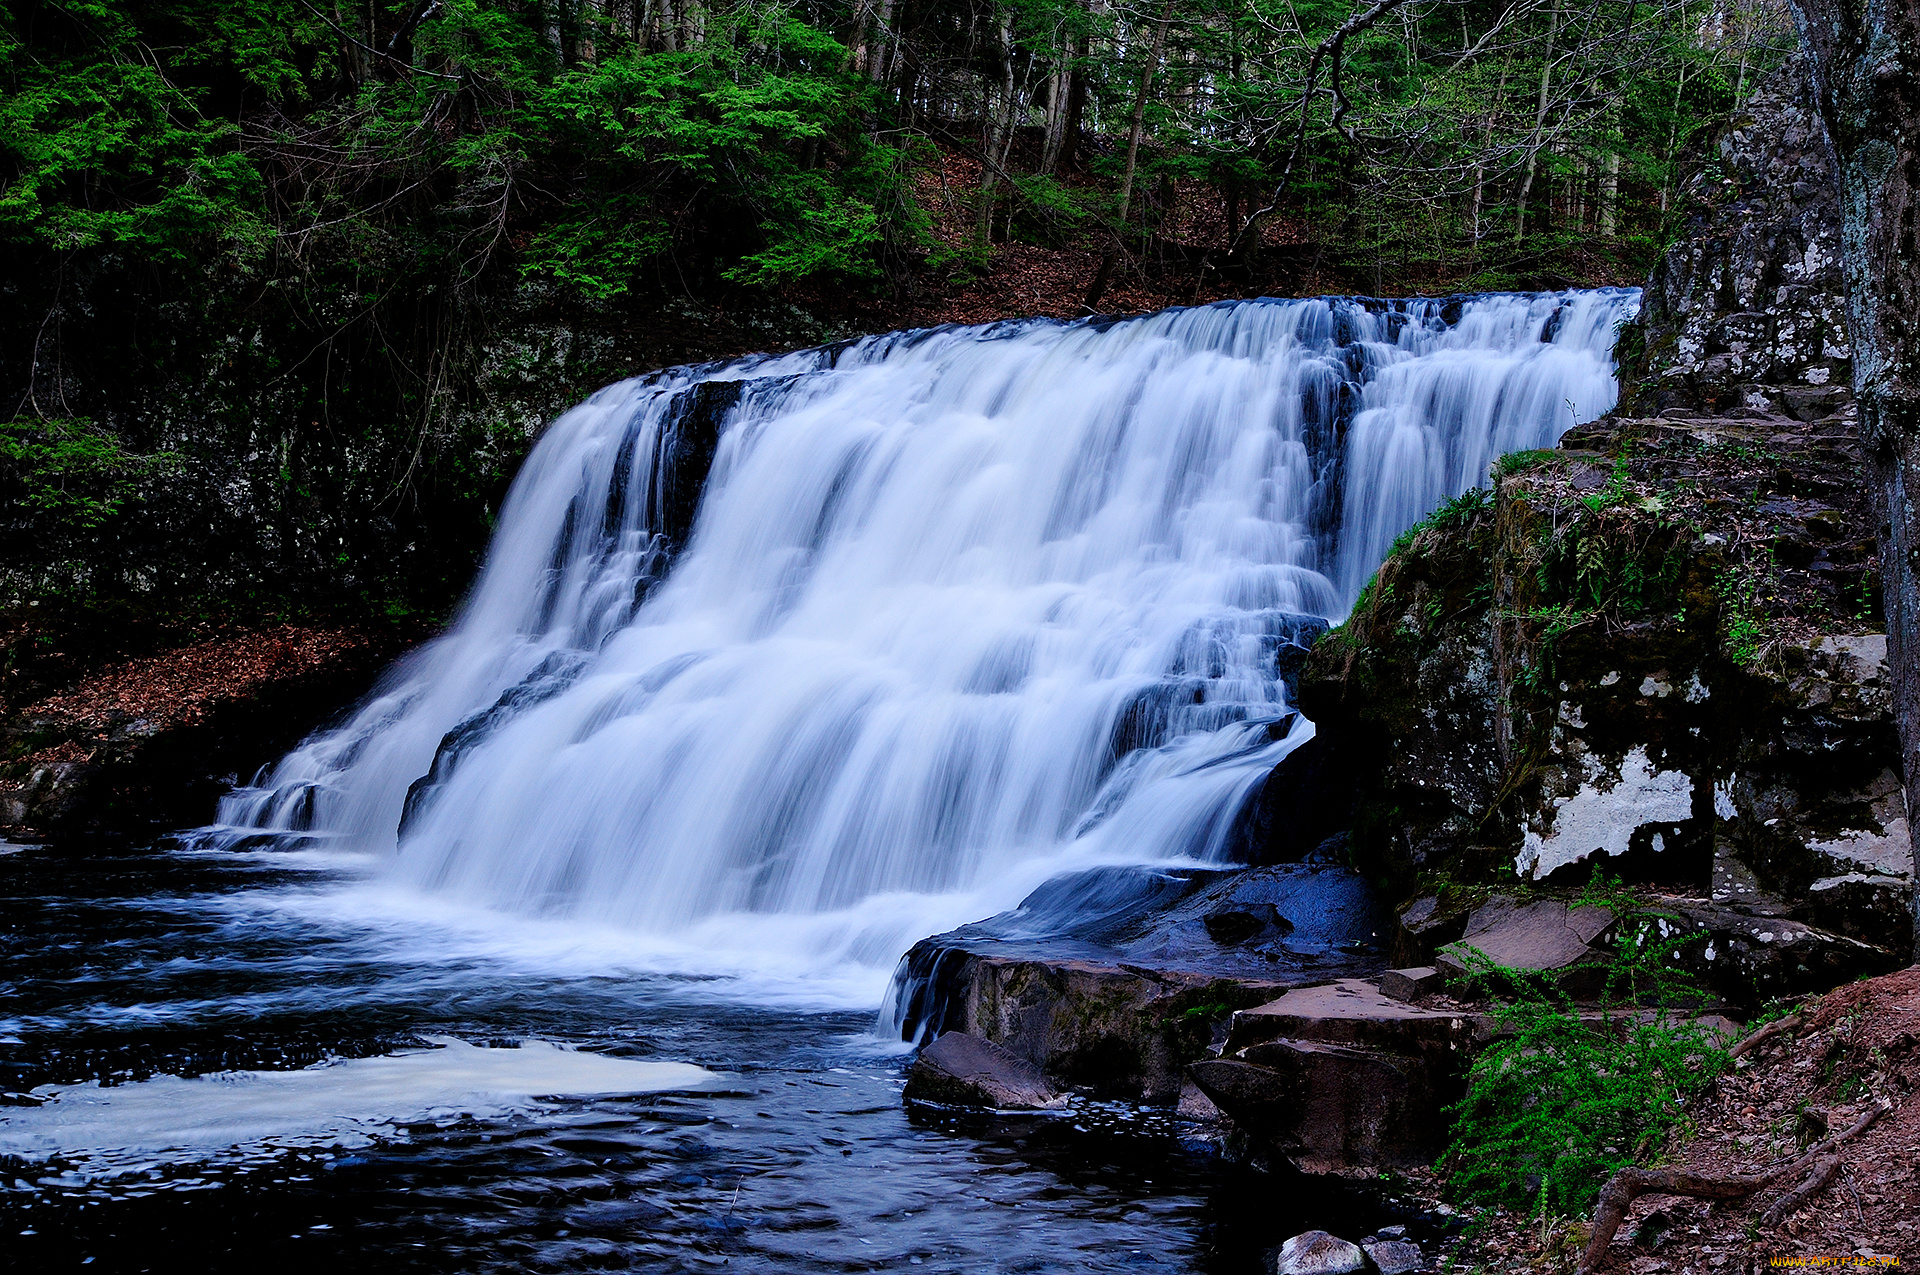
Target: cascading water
[{"x": 948, "y": 613}]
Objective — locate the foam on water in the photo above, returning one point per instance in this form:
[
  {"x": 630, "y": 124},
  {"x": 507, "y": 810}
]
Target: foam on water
[{"x": 169, "y": 1119}]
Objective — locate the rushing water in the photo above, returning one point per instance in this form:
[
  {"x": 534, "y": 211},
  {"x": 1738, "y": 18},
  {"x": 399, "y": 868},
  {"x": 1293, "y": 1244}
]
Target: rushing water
[
  {"x": 774, "y": 668},
  {"x": 959, "y": 610}
]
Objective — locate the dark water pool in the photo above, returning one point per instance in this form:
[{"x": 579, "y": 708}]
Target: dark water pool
[{"x": 795, "y": 1155}]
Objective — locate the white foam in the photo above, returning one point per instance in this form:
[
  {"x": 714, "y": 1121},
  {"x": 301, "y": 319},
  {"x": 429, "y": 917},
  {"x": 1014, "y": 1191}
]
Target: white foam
[{"x": 169, "y": 1119}]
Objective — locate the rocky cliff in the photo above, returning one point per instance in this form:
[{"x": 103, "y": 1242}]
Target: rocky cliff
[{"x": 1655, "y": 651}]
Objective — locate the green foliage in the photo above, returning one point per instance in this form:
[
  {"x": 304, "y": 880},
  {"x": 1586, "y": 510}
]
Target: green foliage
[
  {"x": 77, "y": 475},
  {"x": 1452, "y": 514},
  {"x": 1522, "y": 462},
  {"x": 1620, "y": 555},
  {"x": 1740, "y": 590},
  {"x": 1565, "y": 1096}
]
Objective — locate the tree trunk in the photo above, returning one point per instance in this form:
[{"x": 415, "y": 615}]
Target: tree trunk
[
  {"x": 1864, "y": 57},
  {"x": 1539, "y": 128},
  {"x": 1610, "y": 175},
  {"x": 996, "y": 130},
  {"x": 879, "y": 58},
  {"x": 1059, "y": 94},
  {"x": 1140, "y": 105}
]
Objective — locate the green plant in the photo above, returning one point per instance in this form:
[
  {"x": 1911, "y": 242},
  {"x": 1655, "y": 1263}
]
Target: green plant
[
  {"x": 1742, "y": 621},
  {"x": 1566, "y": 1095},
  {"x": 1521, "y": 462},
  {"x": 75, "y": 473}
]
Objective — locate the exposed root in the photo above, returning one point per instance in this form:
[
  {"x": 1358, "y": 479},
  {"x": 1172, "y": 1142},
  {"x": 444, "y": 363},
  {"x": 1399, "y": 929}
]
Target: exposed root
[
  {"x": 1818, "y": 1162},
  {"x": 1788, "y": 1204},
  {"x": 1772, "y": 1029}
]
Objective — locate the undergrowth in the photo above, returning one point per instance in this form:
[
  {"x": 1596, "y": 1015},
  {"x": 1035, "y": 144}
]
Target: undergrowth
[
  {"x": 1620, "y": 554},
  {"x": 1565, "y": 1096}
]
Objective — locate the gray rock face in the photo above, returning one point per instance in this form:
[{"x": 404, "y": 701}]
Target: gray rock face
[
  {"x": 961, "y": 1070},
  {"x": 1317, "y": 1253},
  {"x": 1747, "y": 310}
]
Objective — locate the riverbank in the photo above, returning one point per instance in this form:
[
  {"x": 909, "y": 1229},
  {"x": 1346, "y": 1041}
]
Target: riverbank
[{"x": 125, "y": 726}]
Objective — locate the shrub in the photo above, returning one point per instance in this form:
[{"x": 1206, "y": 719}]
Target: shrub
[{"x": 1565, "y": 1096}]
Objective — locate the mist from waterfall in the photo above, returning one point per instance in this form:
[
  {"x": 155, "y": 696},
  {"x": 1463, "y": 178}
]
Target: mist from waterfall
[{"x": 783, "y": 664}]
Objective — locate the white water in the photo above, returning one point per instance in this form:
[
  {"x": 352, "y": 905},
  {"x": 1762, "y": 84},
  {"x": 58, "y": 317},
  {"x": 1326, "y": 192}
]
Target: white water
[
  {"x": 880, "y": 690},
  {"x": 170, "y": 1119}
]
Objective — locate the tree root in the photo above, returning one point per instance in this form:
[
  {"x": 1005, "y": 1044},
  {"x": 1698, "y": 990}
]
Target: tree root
[
  {"x": 1766, "y": 1033},
  {"x": 1788, "y": 1204},
  {"x": 1818, "y": 1162}
]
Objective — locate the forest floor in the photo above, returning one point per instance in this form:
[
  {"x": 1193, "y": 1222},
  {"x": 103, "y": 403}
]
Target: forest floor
[{"x": 1856, "y": 1046}]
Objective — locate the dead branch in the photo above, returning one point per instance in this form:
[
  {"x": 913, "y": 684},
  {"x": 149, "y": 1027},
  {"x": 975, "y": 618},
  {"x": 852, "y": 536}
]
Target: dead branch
[{"x": 1628, "y": 1185}]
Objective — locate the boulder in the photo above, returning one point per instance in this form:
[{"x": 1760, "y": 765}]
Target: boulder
[
  {"x": 1115, "y": 979},
  {"x": 962, "y": 1070},
  {"x": 1410, "y": 985},
  {"x": 1394, "y": 1257},
  {"x": 1317, "y": 1253},
  {"x": 1330, "y": 1108},
  {"x": 1545, "y": 934},
  {"x": 1342, "y": 1077}
]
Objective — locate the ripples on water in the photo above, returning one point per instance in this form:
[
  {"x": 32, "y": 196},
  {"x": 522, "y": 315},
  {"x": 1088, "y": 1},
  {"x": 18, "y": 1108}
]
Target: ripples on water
[{"x": 796, "y": 1155}]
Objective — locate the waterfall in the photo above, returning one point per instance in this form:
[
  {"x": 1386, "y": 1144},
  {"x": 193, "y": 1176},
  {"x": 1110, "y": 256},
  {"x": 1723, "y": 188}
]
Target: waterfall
[{"x": 813, "y": 655}]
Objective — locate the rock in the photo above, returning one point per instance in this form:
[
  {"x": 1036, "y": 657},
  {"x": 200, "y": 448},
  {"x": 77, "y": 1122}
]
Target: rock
[
  {"x": 153, "y": 742},
  {"x": 962, "y": 1070},
  {"x": 1341, "y": 1077},
  {"x": 1749, "y": 303},
  {"x": 1317, "y": 1253},
  {"x": 1738, "y": 956},
  {"x": 1410, "y": 985},
  {"x": 1330, "y": 1108},
  {"x": 1545, "y": 934},
  {"x": 1642, "y": 737},
  {"x": 1354, "y": 1012},
  {"x": 1394, "y": 1257},
  {"x": 1425, "y": 928},
  {"x": 1131, "y": 974}
]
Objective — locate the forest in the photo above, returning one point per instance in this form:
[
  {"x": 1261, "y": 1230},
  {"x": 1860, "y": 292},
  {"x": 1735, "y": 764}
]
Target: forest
[{"x": 292, "y": 284}]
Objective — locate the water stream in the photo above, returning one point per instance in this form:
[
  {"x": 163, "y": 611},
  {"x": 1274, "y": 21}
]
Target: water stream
[{"x": 580, "y": 922}]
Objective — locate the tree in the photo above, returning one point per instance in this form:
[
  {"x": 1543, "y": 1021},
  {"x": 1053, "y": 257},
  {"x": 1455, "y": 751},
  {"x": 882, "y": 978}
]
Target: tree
[{"x": 1864, "y": 58}]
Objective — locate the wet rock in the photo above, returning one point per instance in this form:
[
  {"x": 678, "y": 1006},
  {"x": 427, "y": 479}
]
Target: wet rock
[
  {"x": 1410, "y": 985},
  {"x": 1317, "y": 1253},
  {"x": 962, "y": 1070},
  {"x": 1116, "y": 979},
  {"x": 1233, "y": 926},
  {"x": 1394, "y": 1257}
]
